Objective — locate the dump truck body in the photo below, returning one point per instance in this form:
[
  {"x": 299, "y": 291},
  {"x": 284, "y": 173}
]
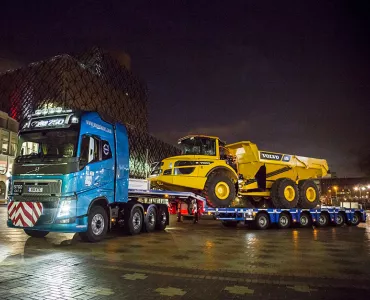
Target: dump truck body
[{"x": 221, "y": 173}]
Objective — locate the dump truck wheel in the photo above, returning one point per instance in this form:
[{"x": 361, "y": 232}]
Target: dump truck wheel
[
  {"x": 309, "y": 195},
  {"x": 219, "y": 190},
  {"x": 284, "y": 193}
]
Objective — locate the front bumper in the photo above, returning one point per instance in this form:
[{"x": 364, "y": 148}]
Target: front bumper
[{"x": 79, "y": 225}]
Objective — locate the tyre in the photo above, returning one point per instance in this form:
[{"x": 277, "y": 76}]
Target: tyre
[
  {"x": 162, "y": 218},
  {"x": 230, "y": 223},
  {"x": 36, "y": 233},
  {"x": 323, "y": 220},
  {"x": 262, "y": 221},
  {"x": 355, "y": 219},
  {"x": 340, "y": 219},
  {"x": 97, "y": 226},
  {"x": 134, "y": 222},
  {"x": 150, "y": 220},
  {"x": 284, "y": 221},
  {"x": 305, "y": 220},
  {"x": 284, "y": 193},
  {"x": 219, "y": 190},
  {"x": 309, "y": 195}
]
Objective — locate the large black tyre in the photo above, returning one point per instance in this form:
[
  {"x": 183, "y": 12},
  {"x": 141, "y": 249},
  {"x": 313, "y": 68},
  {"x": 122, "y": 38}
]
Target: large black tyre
[
  {"x": 284, "y": 221},
  {"x": 262, "y": 221},
  {"x": 134, "y": 221},
  {"x": 219, "y": 190},
  {"x": 150, "y": 220},
  {"x": 36, "y": 233},
  {"x": 309, "y": 194},
  {"x": 284, "y": 193},
  {"x": 97, "y": 225},
  {"x": 305, "y": 220},
  {"x": 162, "y": 218}
]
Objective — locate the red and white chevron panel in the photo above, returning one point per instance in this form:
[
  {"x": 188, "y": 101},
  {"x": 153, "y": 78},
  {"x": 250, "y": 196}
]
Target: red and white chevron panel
[{"x": 24, "y": 214}]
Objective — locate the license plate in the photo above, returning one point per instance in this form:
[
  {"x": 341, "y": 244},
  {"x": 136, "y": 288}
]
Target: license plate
[{"x": 35, "y": 189}]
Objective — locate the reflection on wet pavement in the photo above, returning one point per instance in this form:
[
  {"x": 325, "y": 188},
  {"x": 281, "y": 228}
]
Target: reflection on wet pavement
[{"x": 307, "y": 254}]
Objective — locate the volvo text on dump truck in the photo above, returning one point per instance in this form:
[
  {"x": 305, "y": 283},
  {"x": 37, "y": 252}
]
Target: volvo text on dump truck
[
  {"x": 71, "y": 174},
  {"x": 221, "y": 173}
]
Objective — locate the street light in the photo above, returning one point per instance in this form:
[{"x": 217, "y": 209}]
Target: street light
[{"x": 336, "y": 193}]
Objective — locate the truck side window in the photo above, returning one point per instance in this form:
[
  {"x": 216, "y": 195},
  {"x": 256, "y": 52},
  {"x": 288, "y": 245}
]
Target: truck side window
[{"x": 90, "y": 150}]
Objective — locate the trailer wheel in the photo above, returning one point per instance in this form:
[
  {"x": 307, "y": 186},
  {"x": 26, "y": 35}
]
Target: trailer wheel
[
  {"x": 284, "y": 193},
  {"x": 162, "y": 219},
  {"x": 150, "y": 220},
  {"x": 323, "y": 220},
  {"x": 97, "y": 226},
  {"x": 355, "y": 219},
  {"x": 219, "y": 190},
  {"x": 36, "y": 233},
  {"x": 134, "y": 222},
  {"x": 340, "y": 219},
  {"x": 262, "y": 221},
  {"x": 309, "y": 195},
  {"x": 230, "y": 223},
  {"x": 305, "y": 220},
  {"x": 284, "y": 221}
]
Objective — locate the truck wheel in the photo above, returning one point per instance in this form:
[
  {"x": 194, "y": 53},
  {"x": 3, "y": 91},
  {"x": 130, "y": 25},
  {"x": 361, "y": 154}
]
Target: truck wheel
[
  {"x": 162, "y": 218},
  {"x": 262, "y": 221},
  {"x": 309, "y": 195},
  {"x": 284, "y": 221},
  {"x": 355, "y": 219},
  {"x": 323, "y": 220},
  {"x": 219, "y": 190},
  {"x": 134, "y": 222},
  {"x": 284, "y": 193},
  {"x": 97, "y": 226},
  {"x": 36, "y": 233},
  {"x": 305, "y": 220},
  {"x": 150, "y": 220},
  {"x": 340, "y": 219},
  {"x": 230, "y": 223}
]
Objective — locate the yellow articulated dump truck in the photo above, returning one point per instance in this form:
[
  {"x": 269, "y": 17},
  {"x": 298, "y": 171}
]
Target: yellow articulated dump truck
[{"x": 225, "y": 174}]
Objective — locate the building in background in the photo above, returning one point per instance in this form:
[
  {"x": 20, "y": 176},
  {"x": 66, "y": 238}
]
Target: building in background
[
  {"x": 95, "y": 81},
  {"x": 8, "y": 147},
  {"x": 337, "y": 190}
]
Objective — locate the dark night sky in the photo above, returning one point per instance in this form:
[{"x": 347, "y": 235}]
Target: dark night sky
[{"x": 291, "y": 77}]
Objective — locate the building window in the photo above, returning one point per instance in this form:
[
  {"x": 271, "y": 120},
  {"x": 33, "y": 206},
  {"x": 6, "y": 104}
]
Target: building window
[{"x": 4, "y": 141}]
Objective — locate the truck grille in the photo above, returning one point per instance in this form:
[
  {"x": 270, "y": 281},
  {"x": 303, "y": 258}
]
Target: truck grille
[{"x": 40, "y": 188}]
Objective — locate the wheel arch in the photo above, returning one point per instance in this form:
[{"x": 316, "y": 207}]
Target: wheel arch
[
  {"x": 100, "y": 201},
  {"x": 224, "y": 169}
]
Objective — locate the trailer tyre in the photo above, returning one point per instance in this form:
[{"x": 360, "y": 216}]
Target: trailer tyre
[
  {"x": 262, "y": 221},
  {"x": 309, "y": 195},
  {"x": 284, "y": 193},
  {"x": 219, "y": 190},
  {"x": 162, "y": 219},
  {"x": 305, "y": 220},
  {"x": 36, "y": 233},
  {"x": 355, "y": 219},
  {"x": 97, "y": 226},
  {"x": 150, "y": 220},
  {"x": 134, "y": 223},
  {"x": 284, "y": 221},
  {"x": 340, "y": 219},
  {"x": 323, "y": 220}
]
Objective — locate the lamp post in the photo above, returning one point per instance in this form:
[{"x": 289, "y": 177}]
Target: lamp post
[{"x": 336, "y": 194}]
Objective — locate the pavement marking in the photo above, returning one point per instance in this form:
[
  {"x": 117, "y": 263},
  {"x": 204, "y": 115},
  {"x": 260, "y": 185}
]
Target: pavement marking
[
  {"x": 239, "y": 290},
  {"x": 170, "y": 291},
  {"x": 134, "y": 276},
  {"x": 99, "y": 291},
  {"x": 301, "y": 288}
]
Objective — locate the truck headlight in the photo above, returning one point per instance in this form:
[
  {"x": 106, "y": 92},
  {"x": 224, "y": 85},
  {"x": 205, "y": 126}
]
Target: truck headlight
[{"x": 67, "y": 208}]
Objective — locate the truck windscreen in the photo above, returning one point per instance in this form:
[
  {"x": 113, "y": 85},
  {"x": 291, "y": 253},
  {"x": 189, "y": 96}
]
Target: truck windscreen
[
  {"x": 198, "y": 146},
  {"x": 47, "y": 145}
]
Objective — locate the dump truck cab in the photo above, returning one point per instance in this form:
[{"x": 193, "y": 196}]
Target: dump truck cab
[{"x": 202, "y": 158}]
